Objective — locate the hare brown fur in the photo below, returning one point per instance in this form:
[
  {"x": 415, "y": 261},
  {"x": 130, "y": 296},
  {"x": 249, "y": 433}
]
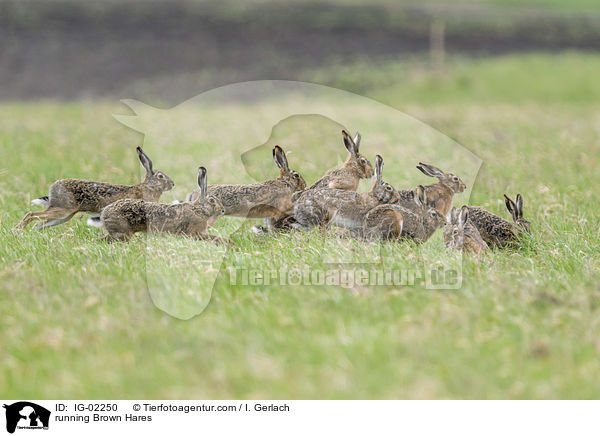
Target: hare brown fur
[
  {"x": 439, "y": 195},
  {"x": 125, "y": 217},
  {"x": 270, "y": 199},
  {"x": 462, "y": 235},
  {"x": 70, "y": 196},
  {"x": 422, "y": 220},
  {"x": 348, "y": 209},
  {"x": 497, "y": 231},
  {"x": 348, "y": 176}
]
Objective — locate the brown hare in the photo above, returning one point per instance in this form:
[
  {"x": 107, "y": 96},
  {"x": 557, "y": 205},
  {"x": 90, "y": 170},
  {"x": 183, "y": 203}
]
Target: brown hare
[
  {"x": 126, "y": 217},
  {"x": 460, "y": 233},
  {"x": 70, "y": 196},
  {"x": 421, "y": 220},
  {"x": 496, "y": 231},
  {"x": 347, "y": 177},
  {"x": 270, "y": 199},
  {"x": 439, "y": 195},
  {"x": 352, "y": 210}
]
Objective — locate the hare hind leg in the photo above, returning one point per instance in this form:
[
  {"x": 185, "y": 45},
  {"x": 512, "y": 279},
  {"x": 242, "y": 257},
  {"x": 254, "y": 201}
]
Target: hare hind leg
[
  {"x": 51, "y": 213},
  {"x": 54, "y": 221},
  {"x": 310, "y": 216},
  {"x": 385, "y": 224}
]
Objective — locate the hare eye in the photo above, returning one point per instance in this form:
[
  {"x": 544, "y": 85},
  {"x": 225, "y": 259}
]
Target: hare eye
[
  {"x": 388, "y": 188},
  {"x": 363, "y": 161},
  {"x": 296, "y": 175},
  {"x": 455, "y": 232},
  {"x": 455, "y": 178}
]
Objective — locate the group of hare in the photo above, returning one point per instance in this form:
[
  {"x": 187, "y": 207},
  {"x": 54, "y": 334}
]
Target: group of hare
[{"x": 383, "y": 213}]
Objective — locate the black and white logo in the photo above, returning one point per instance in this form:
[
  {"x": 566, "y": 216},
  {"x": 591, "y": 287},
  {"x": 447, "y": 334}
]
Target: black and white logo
[{"x": 26, "y": 415}]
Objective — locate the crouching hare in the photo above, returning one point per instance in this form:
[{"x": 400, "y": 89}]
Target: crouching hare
[
  {"x": 125, "y": 217},
  {"x": 439, "y": 195},
  {"x": 496, "y": 231},
  {"x": 421, "y": 220},
  {"x": 70, "y": 196},
  {"x": 460, "y": 233},
  {"x": 364, "y": 214}
]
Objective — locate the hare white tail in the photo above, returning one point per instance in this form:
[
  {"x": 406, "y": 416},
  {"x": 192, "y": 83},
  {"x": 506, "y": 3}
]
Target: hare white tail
[
  {"x": 42, "y": 201},
  {"x": 94, "y": 221}
]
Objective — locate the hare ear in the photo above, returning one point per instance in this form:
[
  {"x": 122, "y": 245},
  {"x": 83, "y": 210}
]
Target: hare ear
[
  {"x": 349, "y": 143},
  {"x": 511, "y": 206},
  {"x": 463, "y": 216},
  {"x": 280, "y": 159},
  {"x": 425, "y": 170},
  {"x": 420, "y": 197},
  {"x": 452, "y": 217},
  {"x": 202, "y": 182},
  {"x": 379, "y": 169},
  {"x": 356, "y": 140},
  {"x": 519, "y": 206},
  {"x": 430, "y": 170},
  {"x": 145, "y": 160}
]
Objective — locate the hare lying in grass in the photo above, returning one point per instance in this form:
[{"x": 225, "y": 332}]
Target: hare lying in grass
[
  {"x": 364, "y": 214},
  {"x": 125, "y": 217},
  {"x": 70, "y": 196},
  {"x": 496, "y": 231},
  {"x": 462, "y": 235},
  {"x": 270, "y": 199}
]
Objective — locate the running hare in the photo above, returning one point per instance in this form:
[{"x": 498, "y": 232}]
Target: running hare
[
  {"x": 125, "y": 217},
  {"x": 70, "y": 196},
  {"x": 270, "y": 199}
]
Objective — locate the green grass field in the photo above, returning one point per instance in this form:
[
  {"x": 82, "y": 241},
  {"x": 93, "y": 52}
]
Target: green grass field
[{"x": 78, "y": 319}]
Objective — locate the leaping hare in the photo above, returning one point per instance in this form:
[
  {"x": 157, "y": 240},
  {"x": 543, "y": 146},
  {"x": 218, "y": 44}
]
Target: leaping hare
[
  {"x": 496, "y": 231},
  {"x": 357, "y": 212},
  {"x": 125, "y": 217},
  {"x": 270, "y": 199},
  {"x": 70, "y": 196},
  {"x": 461, "y": 234}
]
